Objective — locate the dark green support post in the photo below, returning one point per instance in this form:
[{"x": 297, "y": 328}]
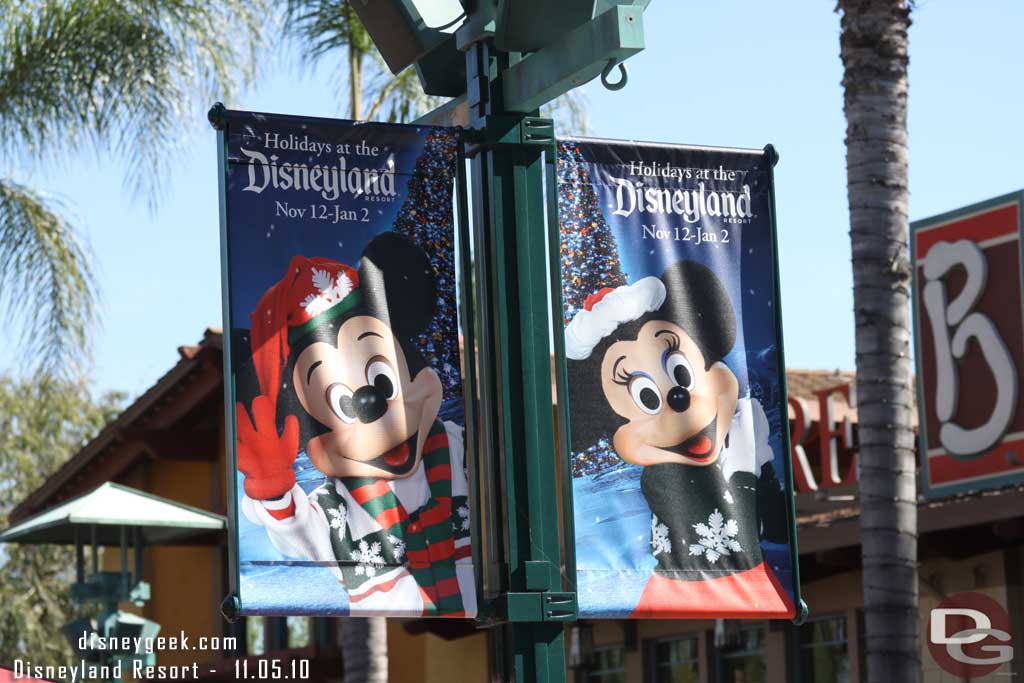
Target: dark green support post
[{"x": 513, "y": 337}]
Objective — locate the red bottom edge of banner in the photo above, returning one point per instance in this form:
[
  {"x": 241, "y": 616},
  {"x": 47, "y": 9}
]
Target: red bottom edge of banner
[{"x": 753, "y": 594}]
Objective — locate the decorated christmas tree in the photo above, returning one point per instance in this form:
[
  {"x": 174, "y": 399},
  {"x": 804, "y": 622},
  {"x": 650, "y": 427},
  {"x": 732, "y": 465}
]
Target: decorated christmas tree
[
  {"x": 590, "y": 256},
  {"x": 590, "y": 262},
  {"x": 427, "y": 219}
]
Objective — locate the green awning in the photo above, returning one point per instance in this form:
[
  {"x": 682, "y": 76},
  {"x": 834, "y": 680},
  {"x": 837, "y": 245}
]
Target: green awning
[{"x": 110, "y": 507}]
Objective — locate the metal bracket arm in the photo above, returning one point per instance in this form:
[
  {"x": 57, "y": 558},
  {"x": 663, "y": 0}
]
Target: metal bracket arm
[{"x": 578, "y": 57}]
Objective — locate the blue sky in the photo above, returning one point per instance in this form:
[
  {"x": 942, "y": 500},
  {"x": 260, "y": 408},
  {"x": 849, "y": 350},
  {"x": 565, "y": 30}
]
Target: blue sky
[{"x": 726, "y": 73}]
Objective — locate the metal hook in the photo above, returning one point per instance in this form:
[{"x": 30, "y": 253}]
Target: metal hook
[{"x": 607, "y": 71}]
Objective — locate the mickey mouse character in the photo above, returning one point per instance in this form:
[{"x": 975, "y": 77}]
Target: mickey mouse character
[
  {"x": 646, "y": 368},
  {"x": 337, "y": 370}
]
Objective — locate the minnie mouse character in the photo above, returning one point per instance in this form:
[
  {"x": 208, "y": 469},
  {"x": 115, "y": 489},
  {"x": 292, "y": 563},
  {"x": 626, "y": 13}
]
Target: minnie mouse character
[
  {"x": 337, "y": 370},
  {"x": 646, "y": 369}
]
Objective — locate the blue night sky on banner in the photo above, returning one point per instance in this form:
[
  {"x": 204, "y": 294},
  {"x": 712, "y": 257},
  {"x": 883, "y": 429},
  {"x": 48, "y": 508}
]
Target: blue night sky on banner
[{"x": 271, "y": 238}]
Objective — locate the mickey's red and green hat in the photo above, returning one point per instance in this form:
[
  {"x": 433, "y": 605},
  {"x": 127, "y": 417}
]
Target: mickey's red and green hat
[{"x": 314, "y": 291}]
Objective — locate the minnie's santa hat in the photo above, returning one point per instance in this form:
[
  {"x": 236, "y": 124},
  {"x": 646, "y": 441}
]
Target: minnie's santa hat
[{"x": 605, "y": 311}]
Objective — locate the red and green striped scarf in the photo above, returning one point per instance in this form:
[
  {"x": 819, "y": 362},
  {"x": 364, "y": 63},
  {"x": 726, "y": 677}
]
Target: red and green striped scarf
[{"x": 427, "y": 532}]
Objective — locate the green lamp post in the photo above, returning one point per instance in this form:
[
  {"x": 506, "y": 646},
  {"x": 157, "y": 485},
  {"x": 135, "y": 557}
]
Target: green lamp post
[{"x": 504, "y": 59}]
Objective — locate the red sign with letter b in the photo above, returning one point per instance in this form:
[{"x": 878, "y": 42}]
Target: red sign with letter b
[{"x": 970, "y": 346}]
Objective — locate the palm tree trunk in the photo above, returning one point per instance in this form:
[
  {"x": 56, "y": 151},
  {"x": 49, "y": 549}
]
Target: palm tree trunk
[
  {"x": 364, "y": 645},
  {"x": 873, "y": 46},
  {"x": 355, "y": 80}
]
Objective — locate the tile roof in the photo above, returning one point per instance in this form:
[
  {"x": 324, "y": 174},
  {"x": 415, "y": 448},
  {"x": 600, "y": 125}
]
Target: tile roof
[{"x": 804, "y": 383}]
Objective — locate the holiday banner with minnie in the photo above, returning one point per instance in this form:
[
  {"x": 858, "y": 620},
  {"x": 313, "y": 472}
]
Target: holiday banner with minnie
[
  {"x": 682, "y": 503},
  {"x": 345, "y": 391}
]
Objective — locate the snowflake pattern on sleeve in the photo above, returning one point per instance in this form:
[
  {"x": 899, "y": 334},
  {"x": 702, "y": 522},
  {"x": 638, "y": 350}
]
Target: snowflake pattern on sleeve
[
  {"x": 397, "y": 547},
  {"x": 369, "y": 558},
  {"x": 660, "y": 542},
  {"x": 338, "y": 517},
  {"x": 365, "y": 555},
  {"x": 713, "y": 528},
  {"x": 717, "y": 537}
]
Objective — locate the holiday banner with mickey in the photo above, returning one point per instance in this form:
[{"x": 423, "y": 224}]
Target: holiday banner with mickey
[
  {"x": 345, "y": 391},
  {"x": 682, "y": 501}
]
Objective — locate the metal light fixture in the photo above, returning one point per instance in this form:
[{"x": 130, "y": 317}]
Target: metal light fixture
[{"x": 420, "y": 32}]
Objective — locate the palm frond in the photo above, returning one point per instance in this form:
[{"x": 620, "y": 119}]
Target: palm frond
[
  {"x": 398, "y": 99},
  {"x": 118, "y": 75},
  {"x": 45, "y": 282},
  {"x": 322, "y": 28}
]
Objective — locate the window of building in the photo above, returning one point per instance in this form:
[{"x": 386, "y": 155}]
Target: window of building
[
  {"x": 298, "y": 632},
  {"x": 676, "y": 660},
  {"x": 255, "y": 636},
  {"x": 744, "y": 660},
  {"x": 609, "y": 665},
  {"x": 823, "y": 653}
]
